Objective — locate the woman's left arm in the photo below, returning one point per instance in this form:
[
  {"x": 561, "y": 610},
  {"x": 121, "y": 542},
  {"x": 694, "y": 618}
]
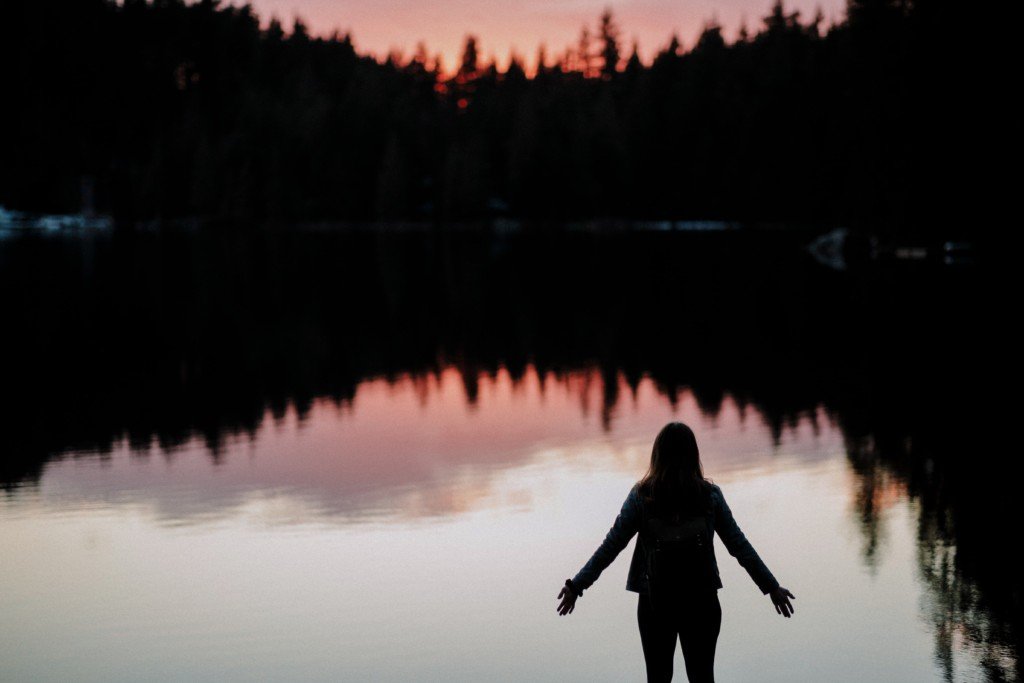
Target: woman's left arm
[{"x": 626, "y": 525}]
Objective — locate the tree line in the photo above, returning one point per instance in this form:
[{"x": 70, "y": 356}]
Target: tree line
[{"x": 166, "y": 109}]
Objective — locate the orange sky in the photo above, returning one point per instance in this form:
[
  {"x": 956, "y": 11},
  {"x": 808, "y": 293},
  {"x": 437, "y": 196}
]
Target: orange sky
[{"x": 378, "y": 26}]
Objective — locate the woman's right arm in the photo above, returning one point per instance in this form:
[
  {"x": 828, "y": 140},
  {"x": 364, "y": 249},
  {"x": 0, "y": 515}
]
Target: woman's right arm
[{"x": 739, "y": 547}]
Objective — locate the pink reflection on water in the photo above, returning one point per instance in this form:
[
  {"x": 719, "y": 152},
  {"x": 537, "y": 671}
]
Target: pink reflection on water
[{"x": 418, "y": 446}]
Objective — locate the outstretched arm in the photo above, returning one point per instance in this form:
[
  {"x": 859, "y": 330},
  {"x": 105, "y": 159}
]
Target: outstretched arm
[
  {"x": 739, "y": 547},
  {"x": 626, "y": 525}
]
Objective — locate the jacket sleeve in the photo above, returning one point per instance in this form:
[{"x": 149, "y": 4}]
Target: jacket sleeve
[
  {"x": 739, "y": 547},
  {"x": 625, "y": 526}
]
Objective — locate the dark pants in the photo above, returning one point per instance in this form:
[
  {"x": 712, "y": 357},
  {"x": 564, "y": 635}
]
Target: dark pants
[{"x": 695, "y": 621}]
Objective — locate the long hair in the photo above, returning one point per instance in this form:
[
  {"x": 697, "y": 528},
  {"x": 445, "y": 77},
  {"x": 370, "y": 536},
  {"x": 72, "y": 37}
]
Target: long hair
[{"x": 675, "y": 479}]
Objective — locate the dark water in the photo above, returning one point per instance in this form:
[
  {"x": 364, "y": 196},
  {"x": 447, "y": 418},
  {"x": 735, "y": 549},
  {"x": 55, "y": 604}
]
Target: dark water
[{"x": 375, "y": 457}]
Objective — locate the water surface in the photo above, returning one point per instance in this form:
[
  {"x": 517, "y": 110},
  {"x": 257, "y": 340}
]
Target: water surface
[{"x": 408, "y": 511}]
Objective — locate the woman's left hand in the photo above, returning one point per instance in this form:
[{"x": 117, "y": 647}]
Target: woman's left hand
[{"x": 568, "y": 601}]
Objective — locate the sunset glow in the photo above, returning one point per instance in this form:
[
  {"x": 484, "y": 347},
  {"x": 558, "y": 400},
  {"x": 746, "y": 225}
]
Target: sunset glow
[{"x": 505, "y": 28}]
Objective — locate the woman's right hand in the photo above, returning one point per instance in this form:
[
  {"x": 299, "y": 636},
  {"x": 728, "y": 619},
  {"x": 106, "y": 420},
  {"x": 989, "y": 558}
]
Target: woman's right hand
[
  {"x": 780, "y": 597},
  {"x": 568, "y": 601}
]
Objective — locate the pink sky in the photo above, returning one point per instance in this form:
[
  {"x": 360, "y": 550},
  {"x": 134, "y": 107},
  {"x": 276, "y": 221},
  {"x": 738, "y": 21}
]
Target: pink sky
[{"x": 378, "y": 26}]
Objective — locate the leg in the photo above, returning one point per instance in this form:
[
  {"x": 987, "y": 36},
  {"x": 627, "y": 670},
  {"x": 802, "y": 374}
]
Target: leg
[
  {"x": 699, "y": 626},
  {"x": 658, "y": 638}
]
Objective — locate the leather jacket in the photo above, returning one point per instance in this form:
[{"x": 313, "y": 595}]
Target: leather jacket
[{"x": 628, "y": 523}]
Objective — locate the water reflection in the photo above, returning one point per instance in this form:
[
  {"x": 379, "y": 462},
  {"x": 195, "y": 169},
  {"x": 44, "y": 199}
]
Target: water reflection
[
  {"x": 410, "y": 447},
  {"x": 973, "y": 601},
  {"x": 169, "y": 337},
  {"x": 460, "y": 473},
  {"x": 402, "y": 380}
]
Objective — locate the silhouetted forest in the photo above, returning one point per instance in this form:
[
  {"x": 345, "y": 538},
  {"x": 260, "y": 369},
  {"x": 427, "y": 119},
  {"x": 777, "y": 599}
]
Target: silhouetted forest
[{"x": 171, "y": 109}]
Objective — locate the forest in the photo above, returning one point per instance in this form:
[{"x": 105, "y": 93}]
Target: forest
[{"x": 165, "y": 110}]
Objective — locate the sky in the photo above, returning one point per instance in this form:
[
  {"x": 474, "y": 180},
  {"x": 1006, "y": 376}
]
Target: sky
[{"x": 379, "y": 26}]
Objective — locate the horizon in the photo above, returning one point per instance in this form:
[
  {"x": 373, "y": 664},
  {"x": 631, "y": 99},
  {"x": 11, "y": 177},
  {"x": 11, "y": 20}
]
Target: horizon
[{"x": 502, "y": 30}]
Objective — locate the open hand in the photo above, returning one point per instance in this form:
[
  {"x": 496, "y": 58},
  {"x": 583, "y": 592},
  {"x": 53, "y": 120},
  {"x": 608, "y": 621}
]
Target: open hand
[
  {"x": 780, "y": 597},
  {"x": 568, "y": 601}
]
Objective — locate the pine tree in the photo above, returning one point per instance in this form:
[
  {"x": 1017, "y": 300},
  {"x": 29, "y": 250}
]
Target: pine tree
[
  {"x": 584, "y": 57},
  {"x": 470, "y": 58},
  {"x": 610, "y": 52}
]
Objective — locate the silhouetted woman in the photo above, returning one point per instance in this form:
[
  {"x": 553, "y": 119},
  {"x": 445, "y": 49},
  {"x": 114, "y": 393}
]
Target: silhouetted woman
[{"x": 676, "y": 512}]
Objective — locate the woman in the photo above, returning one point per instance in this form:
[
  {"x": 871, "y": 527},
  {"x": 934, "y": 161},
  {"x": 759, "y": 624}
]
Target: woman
[{"x": 676, "y": 511}]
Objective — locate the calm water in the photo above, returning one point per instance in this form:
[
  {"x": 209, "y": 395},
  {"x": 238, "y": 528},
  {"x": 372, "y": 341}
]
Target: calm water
[{"x": 393, "y": 484}]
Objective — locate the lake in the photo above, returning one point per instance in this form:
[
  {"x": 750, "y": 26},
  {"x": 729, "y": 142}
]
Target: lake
[{"x": 377, "y": 457}]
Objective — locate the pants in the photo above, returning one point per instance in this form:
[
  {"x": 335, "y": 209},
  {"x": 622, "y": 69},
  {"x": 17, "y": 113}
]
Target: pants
[{"x": 696, "y": 622}]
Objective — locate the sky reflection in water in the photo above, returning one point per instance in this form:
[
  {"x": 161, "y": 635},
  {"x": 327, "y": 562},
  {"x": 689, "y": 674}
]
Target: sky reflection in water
[{"x": 408, "y": 534}]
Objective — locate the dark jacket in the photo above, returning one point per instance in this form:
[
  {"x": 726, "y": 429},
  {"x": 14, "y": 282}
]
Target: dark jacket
[{"x": 628, "y": 523}]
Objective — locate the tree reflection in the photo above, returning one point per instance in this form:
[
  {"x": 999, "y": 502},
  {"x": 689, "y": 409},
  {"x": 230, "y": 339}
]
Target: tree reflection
[
  {"x": 165, "y": 338},
  {"x": 940, "y": 449}
]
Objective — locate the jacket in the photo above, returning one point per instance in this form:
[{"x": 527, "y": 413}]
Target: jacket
[{"x": 628, "y": 523}]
